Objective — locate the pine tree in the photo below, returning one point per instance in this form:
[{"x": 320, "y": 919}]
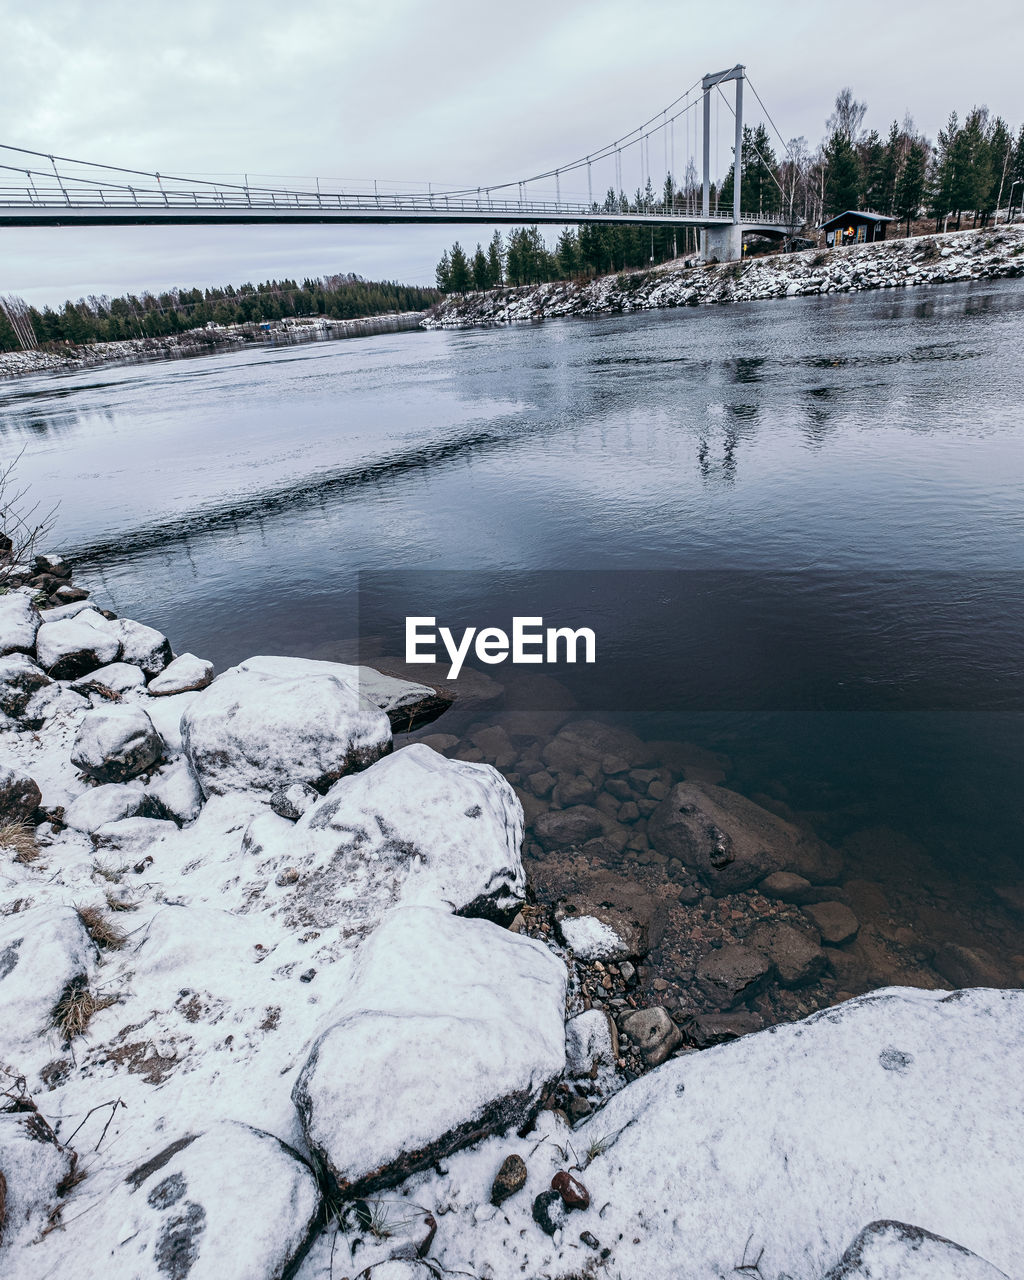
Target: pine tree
[
  {"x": 910, "y": 188},
  {"x": 496, "y": 259},
  {"x": 443, "y": 273},
  {"x": 842, "y": 174},
  {"x": 481, "y": 273}
]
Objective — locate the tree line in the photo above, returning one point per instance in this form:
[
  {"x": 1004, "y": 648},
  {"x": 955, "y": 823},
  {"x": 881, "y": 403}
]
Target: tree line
[
  {"x": 972, "y": 170},
  {"x": 148, "y": 315}
]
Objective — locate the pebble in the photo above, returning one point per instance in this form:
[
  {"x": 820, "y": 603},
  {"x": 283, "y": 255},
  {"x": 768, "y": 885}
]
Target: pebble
[{"x": 509, "y": 1179}]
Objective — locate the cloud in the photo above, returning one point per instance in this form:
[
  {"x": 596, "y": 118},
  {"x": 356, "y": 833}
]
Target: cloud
[{"x": 449, "y": 92}]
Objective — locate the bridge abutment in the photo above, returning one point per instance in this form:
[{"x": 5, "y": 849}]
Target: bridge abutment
[{"x": 722, "y": 244}]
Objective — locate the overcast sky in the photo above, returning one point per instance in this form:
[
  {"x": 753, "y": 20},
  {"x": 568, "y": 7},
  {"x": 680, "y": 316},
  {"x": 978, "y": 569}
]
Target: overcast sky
[{"x": 445, "y": 91}]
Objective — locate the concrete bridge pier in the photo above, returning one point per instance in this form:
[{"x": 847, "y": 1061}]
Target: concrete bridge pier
[{"x": 722, "y": 244}]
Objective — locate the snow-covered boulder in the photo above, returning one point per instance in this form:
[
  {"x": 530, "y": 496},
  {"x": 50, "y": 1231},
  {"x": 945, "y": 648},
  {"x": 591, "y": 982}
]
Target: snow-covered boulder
[
  {"x": 19, "y": 795},
  {"x": 465, "y": 1023},
  {"x": 258, "y": 730},
  {"x": 404, "y": 702},
  {"x": 116, "y": 742},
  {"x": 34, "y": 1170},
  {"x": 19, "y": 622},
  {"x": 118, "y": 677},
  {"x": 782, "y": 1145},
  {"x": 107, "y": 803},
  {"x": 417, "y": 828},
  {"x": 142, "y": 646},
  {"x": 71, "y": 647},
  {"x": 182, "y": 674},
  {"x": 231, "y": 1203},
  {"x": 899, "y": 1251},
  {"x": 42, "y": 951},
  {"x": 175, "y": 792},
  {"x": 20, "y": 677}
]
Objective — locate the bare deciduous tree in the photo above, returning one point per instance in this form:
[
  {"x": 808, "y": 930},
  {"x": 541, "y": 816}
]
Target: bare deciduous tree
[{"x": 23, "y": 523}]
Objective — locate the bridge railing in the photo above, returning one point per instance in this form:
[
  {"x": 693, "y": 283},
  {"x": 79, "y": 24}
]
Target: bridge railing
[{"x": 95, "y": 198}]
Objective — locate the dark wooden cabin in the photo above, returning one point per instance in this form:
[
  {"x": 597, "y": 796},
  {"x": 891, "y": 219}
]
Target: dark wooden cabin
[{"x": 855, "y": 227}]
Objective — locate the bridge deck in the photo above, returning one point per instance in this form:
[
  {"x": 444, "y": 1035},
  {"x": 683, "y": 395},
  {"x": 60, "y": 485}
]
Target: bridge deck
[{"x": 24, "y": 210}]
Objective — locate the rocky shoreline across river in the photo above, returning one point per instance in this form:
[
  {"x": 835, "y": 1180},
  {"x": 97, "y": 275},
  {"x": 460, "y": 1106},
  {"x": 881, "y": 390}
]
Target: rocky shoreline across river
[
  {"x": 890, "y": 264},
  {"x": 194, "y": 342},
  {"x": 314, "y": 970}
]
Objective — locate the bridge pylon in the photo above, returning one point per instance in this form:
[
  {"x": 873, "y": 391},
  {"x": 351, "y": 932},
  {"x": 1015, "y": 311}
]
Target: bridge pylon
[{"x": 725, "y": 243}]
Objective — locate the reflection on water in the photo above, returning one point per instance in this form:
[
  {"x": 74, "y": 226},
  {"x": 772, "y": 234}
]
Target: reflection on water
[{"x": 232, "y": 499}]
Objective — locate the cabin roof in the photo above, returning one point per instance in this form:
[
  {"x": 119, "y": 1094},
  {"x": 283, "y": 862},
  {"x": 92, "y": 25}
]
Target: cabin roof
[{"x": 854, "y": 214}]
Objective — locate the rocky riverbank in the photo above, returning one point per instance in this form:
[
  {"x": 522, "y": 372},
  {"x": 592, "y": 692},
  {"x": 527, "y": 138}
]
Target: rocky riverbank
[
  {"x": 315, "y": 970},
  {"x": 212, "y": 337},
  {"x": 891, "y": 264}
]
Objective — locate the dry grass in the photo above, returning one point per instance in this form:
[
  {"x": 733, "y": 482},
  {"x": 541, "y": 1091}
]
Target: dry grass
[
  {"x": 21, "y": 839},
  {"x": 106, "y": 871},
  {"x": 107, "y": 935},
  {"x": 75, "y": 1009},
  {"x": 125, "y": 903}
]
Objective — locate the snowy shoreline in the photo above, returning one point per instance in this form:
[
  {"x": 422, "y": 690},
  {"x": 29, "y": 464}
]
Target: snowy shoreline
[
  {"x": 243, "y": 928},
  {"x": 890, "y": 264},
  {"x": 205, "y": 341}
]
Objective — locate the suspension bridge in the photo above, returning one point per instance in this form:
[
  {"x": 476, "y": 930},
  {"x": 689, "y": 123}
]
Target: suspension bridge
[{"x": 41, "y": 190}]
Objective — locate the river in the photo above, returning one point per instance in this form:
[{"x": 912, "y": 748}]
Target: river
[{"x": 796, "y": 527}]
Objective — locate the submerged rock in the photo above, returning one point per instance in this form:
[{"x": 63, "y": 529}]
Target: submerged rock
[
  {"x": 259, "y": 730},
  {"x": 463, "y": 1019},
  {"x": 731, "y": 842}
]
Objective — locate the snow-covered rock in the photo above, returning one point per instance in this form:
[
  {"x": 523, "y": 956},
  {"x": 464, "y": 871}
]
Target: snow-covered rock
[
  {"x": 142, "y": 646},
  {"x": 465, "y": 1022},
  {"x": 591, "y": 1042},
  {"x": 20, "y": 677},
  {"x": 116, "y": 742},
  {"x": 176, "y": 791},
  {"x": 106, "y": 803},
  {"x": 404, "y": 702},
  {"x": 592, "y": 939},
  {"x": 74, "y": 646},
  {"x": 231, "y": 1203},
  {"x": 256, "y": 729},
  {"x": 184, "y": 673},
  {"x": 898, "y": 1251},
  {"x": 34, "y": 1171},
  {"x": 19, "y": 622},
  {"x": 19, "y": 795},
  {"x": 118, "y": 677},
  {"x": 293, "y": 801},
  {"x": 42, "y": 951},
  {"x": 416, "y": 828}
]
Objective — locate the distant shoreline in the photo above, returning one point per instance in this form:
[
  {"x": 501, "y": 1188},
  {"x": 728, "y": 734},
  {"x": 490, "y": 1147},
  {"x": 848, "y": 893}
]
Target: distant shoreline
[
  {"x": 982, "y": 254},
  {"x": 203, "y": 341}
]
